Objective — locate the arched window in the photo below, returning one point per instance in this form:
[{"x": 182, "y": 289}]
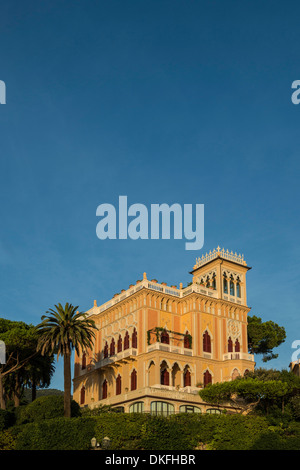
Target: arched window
[
  {"x": 164, "y": 377},
  {"x": 126, "y": 341},
  {"x": 104, "y": 389},
  {"x": 134, "y": 339},
  {"x": 237, "y": 346},
  {"x": 187, "y": 341},
  {"x": 118, "y": 385},
  {"x": 225, "y": 284},
  {"x": 238, "y": 289},
  {"x": 189, "y": 409},
  {"x": 207, "y": 282},
  {"x": 187, "y": 378},
  {"x": 82, "y": 395},
  {"x": 161, "y": 408},
  {"x": 112, "y": 350},
  {"x": 231, "y": 286},
  {"x": 120, "y": 344},
  {"x": 214, "y": 282},
  {"x": 165, "y": 337},
  {"x": 105, "y": 351},
  {"x": 235, "y": 374},
  {"x": 230, "y": 345},
  {"x": 133, "y": 380},
  {"x": 83, "y": 361},
  {"x": 137, "y": 407},
  {"x": 207, "y": 378},
  {"x": 206, "y": 342},
  {"x": 213, "y": 411}
]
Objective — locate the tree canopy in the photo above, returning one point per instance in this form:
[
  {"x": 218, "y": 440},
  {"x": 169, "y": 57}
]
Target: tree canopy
[
  {"x": 63, "y": 329},
  {"x": 20, "y": 343},
  {"x": 263, "y": 337}
]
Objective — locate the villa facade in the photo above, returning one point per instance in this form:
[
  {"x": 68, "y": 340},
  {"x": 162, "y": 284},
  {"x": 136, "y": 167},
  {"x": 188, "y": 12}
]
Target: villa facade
[{"x": 157, "y": 345}]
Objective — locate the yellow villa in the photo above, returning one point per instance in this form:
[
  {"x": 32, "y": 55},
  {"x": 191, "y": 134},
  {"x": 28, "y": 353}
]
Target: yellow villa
[{"x": 157, "y": 345}]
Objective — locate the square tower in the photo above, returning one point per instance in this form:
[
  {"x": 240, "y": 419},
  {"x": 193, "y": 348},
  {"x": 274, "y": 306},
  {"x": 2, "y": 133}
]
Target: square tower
[{"x": 225, "y": 273}]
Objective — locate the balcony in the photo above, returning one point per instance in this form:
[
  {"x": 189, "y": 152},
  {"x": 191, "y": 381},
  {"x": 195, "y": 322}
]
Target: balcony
[
  {"x": 238, "y": 356},
  {"x": 171, "y": 391},
  {"x": 169, "y": 348},
  {"x": 127, "y": 355}
]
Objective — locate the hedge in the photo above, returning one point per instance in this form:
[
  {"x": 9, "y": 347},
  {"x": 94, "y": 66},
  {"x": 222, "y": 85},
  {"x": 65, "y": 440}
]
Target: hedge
[
  {"x": 146, "y": 432},
  {"x": 56, "y": 434},
  {"x": 47, "y": 407}
]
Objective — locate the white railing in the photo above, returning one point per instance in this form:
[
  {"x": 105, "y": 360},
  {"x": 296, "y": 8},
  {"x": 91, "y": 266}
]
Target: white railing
[
  {"x": 117, "y": 357},
  {"x": 237, "y": 258},
  {"x": 238, "y": 356},
  {"x": 171, "y": 388},
  {"x": 169, "y": 348},
  {"x": 179, "y": 293}
]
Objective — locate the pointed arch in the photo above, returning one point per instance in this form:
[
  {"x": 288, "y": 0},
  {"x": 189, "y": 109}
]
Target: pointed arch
[
  {"x": 82, "y": 395},
  {"x": 119, "y": 346},
  {"x": 207, "y": 378},
  {"x": 126, "y": 341},
  {"x": 134, "y": 339},
  {"x": 119, "y": 385},
  {"x": 206, "y": 342},
  {"x": 133, "y": 380},
  {"x": 104, "y": 389},
  {"x": 187, "y": 378},
  {"x": 235, "y": 374},
  {"x": 112, "y": 349},
  {"x": 164, "y": 373},
  {"x": 164, "y": 337}
]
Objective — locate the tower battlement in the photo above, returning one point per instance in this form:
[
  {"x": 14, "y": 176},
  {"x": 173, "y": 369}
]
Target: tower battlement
[{"x": 218, "y": 253}]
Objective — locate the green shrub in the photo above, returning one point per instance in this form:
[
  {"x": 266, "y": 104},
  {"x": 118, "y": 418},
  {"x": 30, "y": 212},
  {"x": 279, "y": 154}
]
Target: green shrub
[
  {"x": 237, "y": 432},
  {"x": 125, "y": 431},
  {"x": 7, "y": 440},
  {"x": 56, "y": 434},
  {"x": 146, "y": 432},
  {"x": 42, "y": 408},
  {"x": 6, "y": 419}
]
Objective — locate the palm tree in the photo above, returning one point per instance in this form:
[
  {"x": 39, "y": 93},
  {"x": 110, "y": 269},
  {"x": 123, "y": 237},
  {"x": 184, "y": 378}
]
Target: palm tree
[
  {"x": 39, "y": 372},
  {"x": 61, "y": 331}
]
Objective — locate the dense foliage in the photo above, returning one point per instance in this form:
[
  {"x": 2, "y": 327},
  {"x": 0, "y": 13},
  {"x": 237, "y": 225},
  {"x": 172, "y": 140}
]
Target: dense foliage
[
  {"x": 41, "y": 425},
  {"x": 263, "y": 337},
  {"x": 271, "y": 393},
  {"x": 146, "y": 432},
  {"x": 44, "y": 408}
]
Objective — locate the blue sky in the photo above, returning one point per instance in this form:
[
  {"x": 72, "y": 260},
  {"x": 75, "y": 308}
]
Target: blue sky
[{"x": 164, "y": 101}]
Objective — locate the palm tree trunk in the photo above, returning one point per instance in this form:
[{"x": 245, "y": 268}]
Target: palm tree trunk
[{"x": 67, "y": 384}]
